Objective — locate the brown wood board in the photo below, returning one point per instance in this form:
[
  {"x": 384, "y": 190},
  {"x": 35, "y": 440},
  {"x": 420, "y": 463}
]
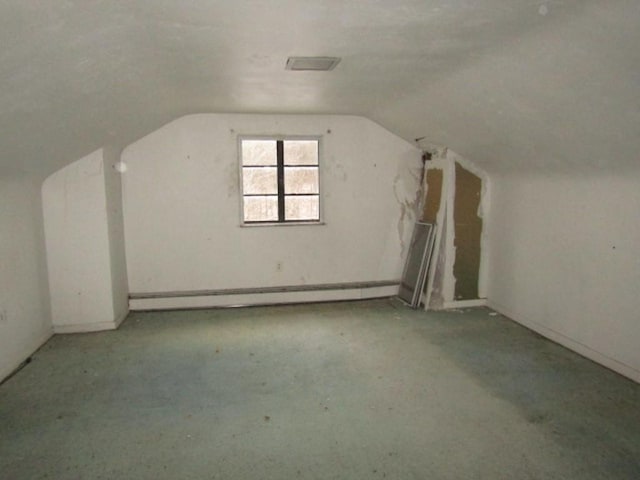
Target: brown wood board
[
  {"x": 468, "y": 230},
  {"x": 434, "y": 195}
]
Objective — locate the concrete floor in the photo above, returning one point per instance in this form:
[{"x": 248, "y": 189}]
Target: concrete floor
[{"x": 365, "y": 390}]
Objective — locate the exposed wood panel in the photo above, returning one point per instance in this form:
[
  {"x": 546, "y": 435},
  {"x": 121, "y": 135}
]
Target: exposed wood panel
[
  {"x": 468, "y": 229},
  {"x": 434, "y": 195}
]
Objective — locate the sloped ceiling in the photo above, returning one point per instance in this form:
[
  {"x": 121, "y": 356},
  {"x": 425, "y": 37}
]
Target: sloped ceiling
[{"x": 509, "y": 84}]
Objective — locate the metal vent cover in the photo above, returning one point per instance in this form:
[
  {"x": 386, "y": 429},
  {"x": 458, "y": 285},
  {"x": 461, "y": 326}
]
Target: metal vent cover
[{"x": 316, "y": 64}]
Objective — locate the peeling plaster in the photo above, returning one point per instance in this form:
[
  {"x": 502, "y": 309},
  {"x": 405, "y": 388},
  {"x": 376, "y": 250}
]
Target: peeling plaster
[
  {"x": 483, "y": 209},
  {"x": 402, "y": 187},
  {"x": 442, "y": 280}
]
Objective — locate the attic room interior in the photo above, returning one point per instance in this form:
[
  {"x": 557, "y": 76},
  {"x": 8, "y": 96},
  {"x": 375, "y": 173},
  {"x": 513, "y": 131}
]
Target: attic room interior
[{"x": 206, "y": 209}]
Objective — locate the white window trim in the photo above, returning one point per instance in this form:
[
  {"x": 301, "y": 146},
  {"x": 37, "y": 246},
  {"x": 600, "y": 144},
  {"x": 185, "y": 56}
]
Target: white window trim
[{"x": 309, "y": 223}]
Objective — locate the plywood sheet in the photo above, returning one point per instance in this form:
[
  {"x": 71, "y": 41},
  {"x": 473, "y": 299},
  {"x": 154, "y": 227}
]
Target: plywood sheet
[
  {"x": 434, "y": 195},
  {"x": 468, "y": 230}
]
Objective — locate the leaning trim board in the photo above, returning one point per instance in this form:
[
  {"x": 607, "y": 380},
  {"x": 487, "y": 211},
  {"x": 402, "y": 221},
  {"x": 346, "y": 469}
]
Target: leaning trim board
[{"x": 417, "y": 264}]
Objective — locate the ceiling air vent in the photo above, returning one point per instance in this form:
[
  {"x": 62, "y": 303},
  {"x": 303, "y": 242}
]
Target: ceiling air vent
[{"x": 316, "y": 64}]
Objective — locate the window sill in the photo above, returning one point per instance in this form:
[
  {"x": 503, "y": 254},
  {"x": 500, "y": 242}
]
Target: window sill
[{"x": 282, "y": 224}]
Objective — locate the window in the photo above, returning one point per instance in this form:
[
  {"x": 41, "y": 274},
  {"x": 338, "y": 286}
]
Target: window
[{"x": 280, "y": 180}]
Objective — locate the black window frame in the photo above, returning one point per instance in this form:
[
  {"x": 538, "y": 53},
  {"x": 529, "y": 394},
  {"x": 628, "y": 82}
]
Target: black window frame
[{"x": 281, "y": 167}]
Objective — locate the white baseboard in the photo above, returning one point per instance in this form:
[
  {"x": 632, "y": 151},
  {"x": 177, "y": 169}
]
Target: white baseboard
[
  {"x": 174, "y": 301},
  {"x": 579, "y": 348},
  {"x": 479, "y": 302},
  {"x": 86, "y": 327},
  {"x": 121, "y": 318},
  {"x": 7, "y": 370},
  {"x": 90, "y": 327}
]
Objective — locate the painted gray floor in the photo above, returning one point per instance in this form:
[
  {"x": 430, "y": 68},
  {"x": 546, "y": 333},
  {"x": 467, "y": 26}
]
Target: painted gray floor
[{"x": 365, "y": 390}]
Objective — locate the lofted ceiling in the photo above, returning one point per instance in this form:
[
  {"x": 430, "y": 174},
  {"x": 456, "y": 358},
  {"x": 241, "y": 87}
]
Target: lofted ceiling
[{"x": 509, "y": 84}]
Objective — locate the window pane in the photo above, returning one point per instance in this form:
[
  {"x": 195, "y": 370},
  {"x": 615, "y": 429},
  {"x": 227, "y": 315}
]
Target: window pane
[
  {"x": 261, "y": 209},
  {"x": 301, "y": 152},
  {"x": 259, "y": 180},
  {"x": 301, "y": 180},
  {"x": 259, "y": 152},
  {"x": 302, "y": 208}
]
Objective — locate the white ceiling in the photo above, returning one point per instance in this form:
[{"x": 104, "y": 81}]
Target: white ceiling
[{"x": 509, "y": 84}]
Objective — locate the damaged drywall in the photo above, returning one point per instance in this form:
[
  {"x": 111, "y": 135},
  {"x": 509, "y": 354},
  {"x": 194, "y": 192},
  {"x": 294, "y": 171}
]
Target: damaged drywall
[
  {"x": 402, "y": 184},
  {"x": 454, "y": 199},
  {"x": 467, "y": 233},
  {"x": 433, "y": 195},
  {"x": 433, "y": 211}
]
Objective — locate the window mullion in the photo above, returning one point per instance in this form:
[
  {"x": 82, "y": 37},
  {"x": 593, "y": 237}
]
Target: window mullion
[{"x": 280, "y": 157}]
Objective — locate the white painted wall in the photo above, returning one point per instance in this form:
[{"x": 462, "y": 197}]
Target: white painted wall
[
  {"x": 25, "y": 321},
  {"x": 182, "y": 207},
  {"x": 78, "y": 246},
  {"x": 565, "y": 261}
]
